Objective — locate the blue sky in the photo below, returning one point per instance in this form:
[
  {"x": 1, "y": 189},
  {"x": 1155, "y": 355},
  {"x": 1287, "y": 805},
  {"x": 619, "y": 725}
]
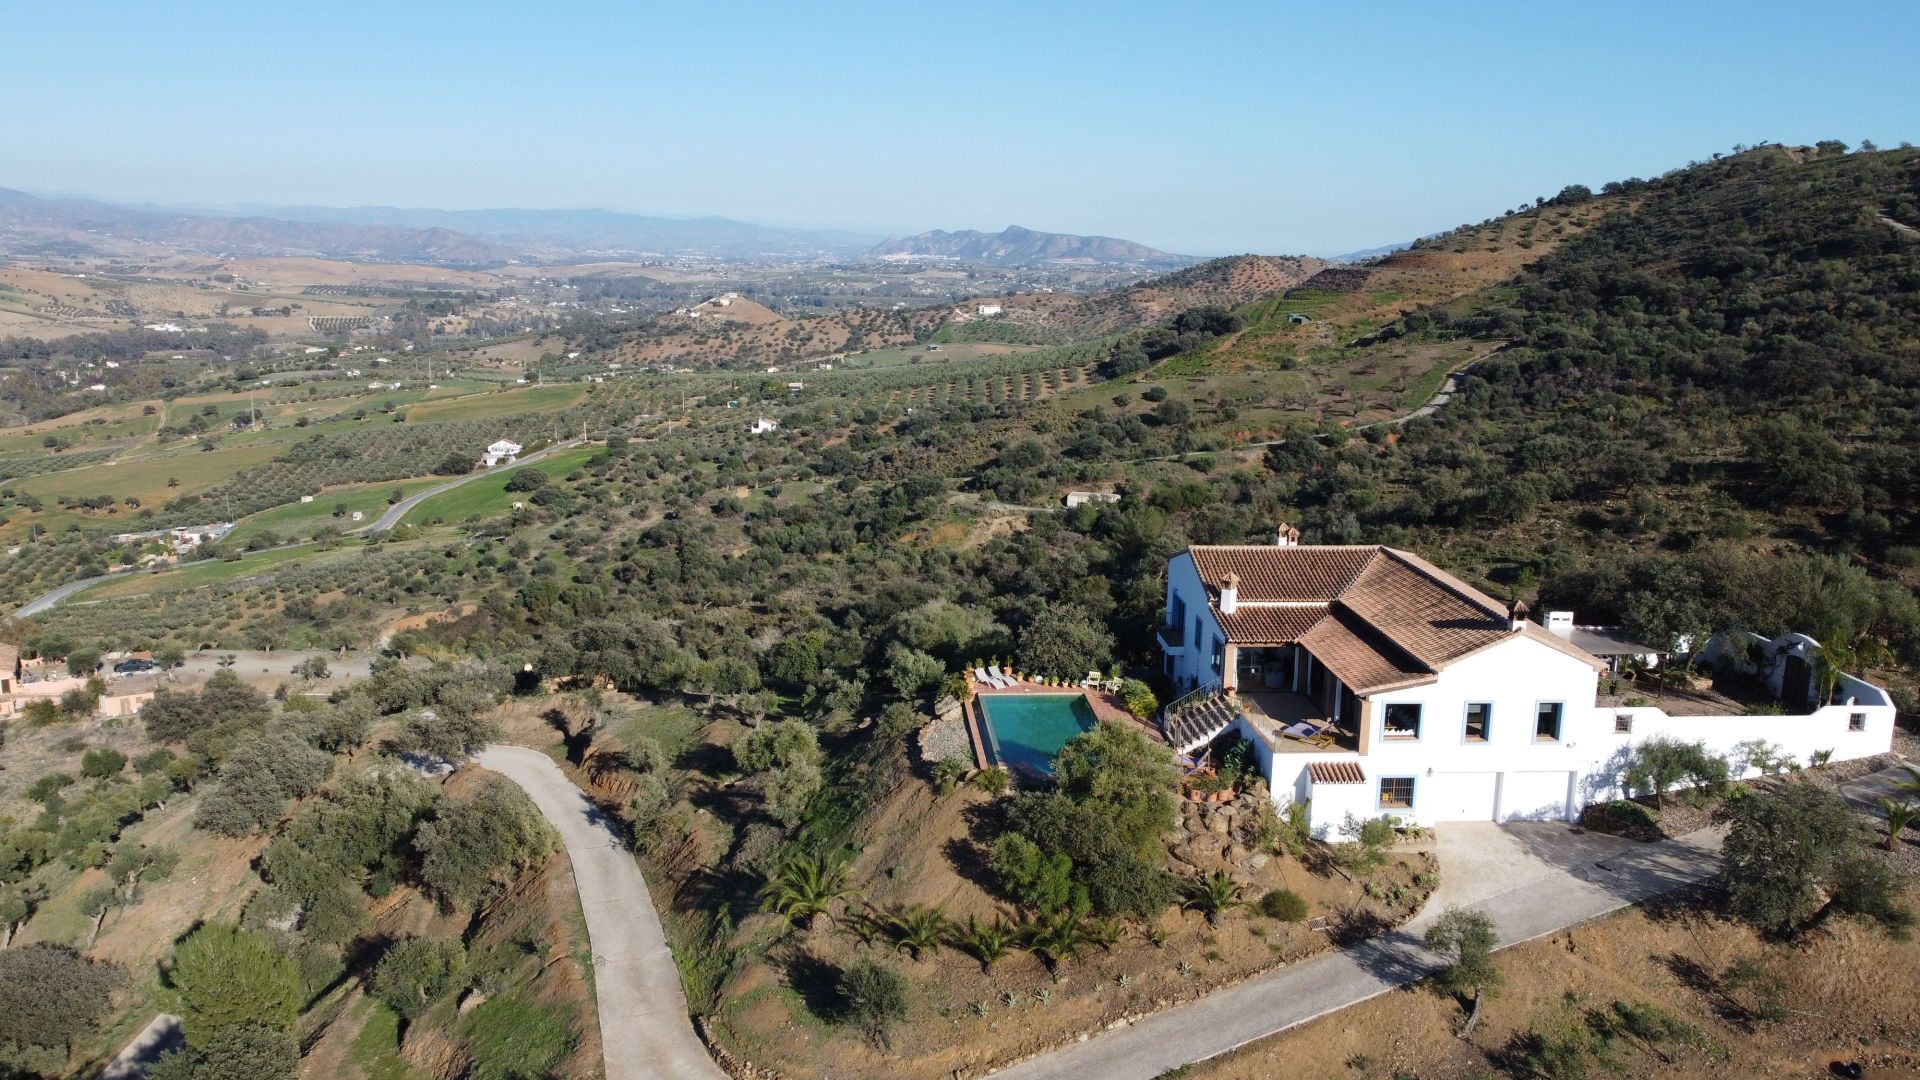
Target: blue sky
[{"x": 1200, "y": 129}]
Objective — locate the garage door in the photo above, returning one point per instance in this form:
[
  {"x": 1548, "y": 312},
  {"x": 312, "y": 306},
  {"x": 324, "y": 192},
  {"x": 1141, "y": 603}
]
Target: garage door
[
  {"x": 1463, "y": 796},
  {"x": 1536, "y": 796}
]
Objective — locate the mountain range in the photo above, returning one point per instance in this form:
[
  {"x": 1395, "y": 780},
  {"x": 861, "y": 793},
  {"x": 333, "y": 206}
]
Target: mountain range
[
  {"x": 75, "y": 225},
  {"x": 1017, "y": 246}
]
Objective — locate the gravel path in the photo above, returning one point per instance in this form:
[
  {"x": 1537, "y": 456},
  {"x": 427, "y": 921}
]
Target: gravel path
[{"x": 644, "y": 1028}]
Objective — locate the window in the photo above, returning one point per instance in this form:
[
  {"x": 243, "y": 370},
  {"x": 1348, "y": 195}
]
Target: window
[
  {"x": 1479, "y": 720},
  {"x": 1623, "y": 723},
  {"x": 1546, "y": 722},
  {"x": 1219, "y": 655},
  {"x": 1403, "y": 722},
  {"x": 1396, "y": 793},
  {"x": 1857, "y": 721},
  {"x": 1177, "y": 612}
]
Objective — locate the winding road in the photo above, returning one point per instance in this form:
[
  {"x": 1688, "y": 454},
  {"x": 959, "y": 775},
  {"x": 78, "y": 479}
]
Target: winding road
[
  {"x": 400, "y": 509},
  {"x": 381, "y": 524},
  {"x": 645, "y": 1033}
]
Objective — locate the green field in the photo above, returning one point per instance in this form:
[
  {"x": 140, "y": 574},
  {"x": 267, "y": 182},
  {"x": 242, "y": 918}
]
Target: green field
[
  {"x": 302, "y": 521},
  {"x": 209, "y": 572},
  {"x": 489, "y": 494}
]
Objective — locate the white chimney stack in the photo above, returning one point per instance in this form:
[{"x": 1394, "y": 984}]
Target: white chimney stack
[
  {"x": 1517, "y": 616},
  {"x": 1560, "y": 622},
  {"x": 1230, "y": 594},
  {"x": 1286, "y": 536}
]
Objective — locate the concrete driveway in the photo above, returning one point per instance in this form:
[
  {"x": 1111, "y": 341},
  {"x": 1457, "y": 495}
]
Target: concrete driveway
[
  {"x": 645, "y": 1031},
  {"x": 1533, "y": 879}
]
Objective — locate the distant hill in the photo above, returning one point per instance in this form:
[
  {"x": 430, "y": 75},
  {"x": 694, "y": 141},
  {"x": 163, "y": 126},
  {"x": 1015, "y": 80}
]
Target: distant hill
[
  {"x": 29, "y": 223},
  {"x": 1015, "y": 246},
  {"x": 564, "y": 233}
]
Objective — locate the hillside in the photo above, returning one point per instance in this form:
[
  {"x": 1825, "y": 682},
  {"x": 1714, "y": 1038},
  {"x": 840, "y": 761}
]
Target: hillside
[{"x": 1016, "y": 246}]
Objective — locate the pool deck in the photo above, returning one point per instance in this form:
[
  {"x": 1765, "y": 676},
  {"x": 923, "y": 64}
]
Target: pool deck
[{"x": 1106, "y": 706}]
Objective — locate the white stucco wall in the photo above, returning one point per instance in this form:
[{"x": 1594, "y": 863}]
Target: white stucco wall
[
  {"x": 1192, "y": 663},
  {"x": 1514, "y": 776}
]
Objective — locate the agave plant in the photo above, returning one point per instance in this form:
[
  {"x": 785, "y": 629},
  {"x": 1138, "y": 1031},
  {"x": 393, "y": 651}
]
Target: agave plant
[
  {"x": 985, "y": 942},
  {"x": 1213, "y": 895},
  {"x": 806, "y": 886},
  {"x": 1057, "y": 938},
  {"x": 917, "y": 928}
]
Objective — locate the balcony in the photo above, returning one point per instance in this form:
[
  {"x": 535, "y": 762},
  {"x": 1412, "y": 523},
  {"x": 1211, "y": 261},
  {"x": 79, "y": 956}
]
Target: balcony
[{"x": 1171, "y": 637}]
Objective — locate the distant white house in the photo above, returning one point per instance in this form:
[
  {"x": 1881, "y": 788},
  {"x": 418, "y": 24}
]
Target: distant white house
[
  {"x": 763, "y": 425},
  {"x": 988, "y": 309},
  {"x": 795, "y": 387},
  {"x": 500, "y": 452},
  {"x": 192, "y": 536},
  {"x": 1081, "y": 498}
]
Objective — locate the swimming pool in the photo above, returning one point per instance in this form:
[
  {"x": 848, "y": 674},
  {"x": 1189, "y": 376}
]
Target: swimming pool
[{"x": 1024, "y": 731}]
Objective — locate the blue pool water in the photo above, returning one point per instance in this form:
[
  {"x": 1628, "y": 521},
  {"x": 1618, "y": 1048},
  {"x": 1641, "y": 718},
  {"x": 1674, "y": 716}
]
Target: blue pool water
[{"x": 1024, "y": 731}]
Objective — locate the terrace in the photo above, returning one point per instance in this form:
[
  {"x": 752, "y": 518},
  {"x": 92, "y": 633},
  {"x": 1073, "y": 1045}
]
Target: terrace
[{"x": 1273, "y": 712}]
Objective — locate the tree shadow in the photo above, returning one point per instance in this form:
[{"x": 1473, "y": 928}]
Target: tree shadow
[{"x": 818, "y": 984}]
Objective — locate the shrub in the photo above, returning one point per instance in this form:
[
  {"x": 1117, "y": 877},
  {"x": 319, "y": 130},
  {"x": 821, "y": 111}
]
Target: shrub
[
  {"x": 1139, "y": 698},
  {"x": 50, "y": 996},
  {"x": 418, "y": 972},
  {"x": 1284, "y": 905},
  {"x": 228, "y": 976},
  {"x": 1787, "y": 848},
  {"x": 474, "y": 844},
  {"x": 100, "y": 764},
  {"x": 1659, "y": 763},
  {"x": 874, "y": 998}
]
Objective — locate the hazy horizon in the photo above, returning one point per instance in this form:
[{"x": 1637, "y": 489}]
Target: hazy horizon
[{"x": 1243, "y": 128}]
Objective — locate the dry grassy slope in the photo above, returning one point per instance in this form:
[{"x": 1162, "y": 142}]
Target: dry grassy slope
[
  {"x": 1851, "y": 987},
  {"x": 1349, "y": 302},
  {"x": 1230, "y": 282}
]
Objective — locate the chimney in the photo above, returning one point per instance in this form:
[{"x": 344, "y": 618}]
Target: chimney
[
  {"x": 1517, "y": 616},
  {"x": 1230, "y": 594},
  {"x": 1286, "y": 536},
  {"x": 1560, "y": 622}
]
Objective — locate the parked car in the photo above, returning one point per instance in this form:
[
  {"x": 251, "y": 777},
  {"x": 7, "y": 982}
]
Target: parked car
[{"x": 133, "y": 667}]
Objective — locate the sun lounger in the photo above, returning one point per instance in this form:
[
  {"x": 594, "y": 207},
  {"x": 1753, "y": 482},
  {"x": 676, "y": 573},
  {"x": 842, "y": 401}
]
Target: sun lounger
[
  {"x": 1002, "y": 679},
  {"x": 1310, "y": 733},
  {"x": 981, "y": 675}
]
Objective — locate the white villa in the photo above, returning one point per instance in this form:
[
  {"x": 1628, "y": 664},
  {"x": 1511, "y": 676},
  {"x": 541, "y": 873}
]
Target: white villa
[
  {"x": 1371, "y": 682},
  {"x": 501, "y": 452},
  {"x": 764, "y": 425}
]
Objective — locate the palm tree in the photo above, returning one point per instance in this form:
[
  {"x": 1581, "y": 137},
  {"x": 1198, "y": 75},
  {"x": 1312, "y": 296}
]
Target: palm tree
[
  {"x": 986, "y": 942},
  {"x": 1213, "y": 895},
  {"x": 1910, "y": 784},
  {"x": 1057, "y": 938},
  {"x": 806, "y": 886},
  {"x": 917, "y": 928},
  {"x": 1899, "y": 816}
]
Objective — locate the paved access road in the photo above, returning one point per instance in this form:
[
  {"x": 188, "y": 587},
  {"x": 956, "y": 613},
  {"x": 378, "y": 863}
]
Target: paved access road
[
  {"x": 1533, "y": 880},
  {"x": 399, "y": 510},
  {"x": 645, "y": 1032}
]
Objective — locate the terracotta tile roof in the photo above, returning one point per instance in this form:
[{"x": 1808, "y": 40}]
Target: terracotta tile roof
[
  {"x": 1377, "y": 617},
  {"x": 1270, "y": 624},
  {"x": 1360, "y": 656},
  {"x": 1431, "y": 615},
  {"x": 1335, "y": 772},
  {"x": 1267, "y": 572}
]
